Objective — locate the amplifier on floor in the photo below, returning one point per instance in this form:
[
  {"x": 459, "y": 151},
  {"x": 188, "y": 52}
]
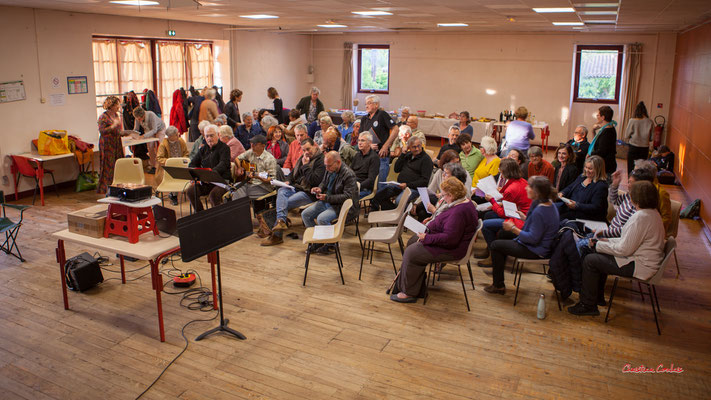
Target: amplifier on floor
[{"x": 82, "y": 272}]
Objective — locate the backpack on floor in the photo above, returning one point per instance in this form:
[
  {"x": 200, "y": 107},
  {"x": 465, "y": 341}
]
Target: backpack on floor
[{"x": 692, "y": 210}]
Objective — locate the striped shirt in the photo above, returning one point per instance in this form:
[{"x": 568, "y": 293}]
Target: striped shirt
[{"x": 625, "y": 210}]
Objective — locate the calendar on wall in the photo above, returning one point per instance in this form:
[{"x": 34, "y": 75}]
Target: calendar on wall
[
  {"x": 77, "y": 85},
  {"x": 12, "y": 91}
]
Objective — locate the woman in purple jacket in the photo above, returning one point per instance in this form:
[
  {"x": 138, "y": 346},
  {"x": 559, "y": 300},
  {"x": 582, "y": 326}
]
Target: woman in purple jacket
[{"x": 447, "y": 239}]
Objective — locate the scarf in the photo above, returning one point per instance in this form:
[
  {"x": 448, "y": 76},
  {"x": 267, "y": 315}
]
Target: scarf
[
  {"x": 442, "y": 206},
  {"x": 597, "y": 135},
  {"x": 275, "y": 149}
]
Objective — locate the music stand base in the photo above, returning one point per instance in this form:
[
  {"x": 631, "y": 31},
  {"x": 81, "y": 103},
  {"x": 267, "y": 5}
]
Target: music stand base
[{"x": 222, "y": 328}]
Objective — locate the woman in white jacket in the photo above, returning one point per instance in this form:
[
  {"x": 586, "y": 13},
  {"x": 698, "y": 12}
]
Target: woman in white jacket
[{"x": 638, "y": 252}]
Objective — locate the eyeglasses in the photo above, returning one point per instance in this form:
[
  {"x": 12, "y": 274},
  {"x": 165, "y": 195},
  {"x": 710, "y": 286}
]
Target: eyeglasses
[{"x": 416, "y": 146}]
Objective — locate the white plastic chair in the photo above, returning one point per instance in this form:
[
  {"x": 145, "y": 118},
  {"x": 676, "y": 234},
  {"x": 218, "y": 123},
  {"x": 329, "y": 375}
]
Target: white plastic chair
[
  {"x": 129, "y": 170},
  {"x": 173, "y": 185},
  {"x": 335, "y": 239}
]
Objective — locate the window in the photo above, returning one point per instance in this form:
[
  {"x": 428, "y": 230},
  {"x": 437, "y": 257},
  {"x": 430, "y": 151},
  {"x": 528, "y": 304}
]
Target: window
[
  {"x": 598, "y": 72},
  {"x": 373, "y": 68}
]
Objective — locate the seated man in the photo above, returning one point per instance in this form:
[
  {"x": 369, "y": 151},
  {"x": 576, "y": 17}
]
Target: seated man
[
  {"x": 338, "y": 185},
  {"x": 413, "y": 122},
  {"x": 247, "y": 130},
  {"x": 307, "y": 173},
  {"x": 264, "y": 169},
  {"x": 200, "y": 141},
  {"x": 405, "y": 132},
  {"x": 415, "y": 169},
  {"x": 452, "y": 144},
  {"x": 294, "y": 120},
  {"x": 216, "y": 156},
  {"x": 332, "y": 141},
  {"x": 366, "y": 164},
  {"x": 295, "y": 146},
  {"x": 664, "y": 159}
]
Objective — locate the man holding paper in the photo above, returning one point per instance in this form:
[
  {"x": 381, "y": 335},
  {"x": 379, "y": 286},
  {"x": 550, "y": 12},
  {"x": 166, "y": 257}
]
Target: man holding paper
[
  {"x": 307, "y": 173},
  {"x": 414, "y": 168}
]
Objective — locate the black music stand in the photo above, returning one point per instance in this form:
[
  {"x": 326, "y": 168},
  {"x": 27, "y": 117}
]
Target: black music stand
[
  {"x": 196, "y": 175},
  {"x": 206, "y": 233}
]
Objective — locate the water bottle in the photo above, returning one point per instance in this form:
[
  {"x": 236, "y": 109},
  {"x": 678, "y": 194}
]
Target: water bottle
[{"x": 541, "y": 313}]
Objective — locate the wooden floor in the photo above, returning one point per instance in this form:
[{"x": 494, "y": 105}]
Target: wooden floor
[{"x": 327, "y": 341}]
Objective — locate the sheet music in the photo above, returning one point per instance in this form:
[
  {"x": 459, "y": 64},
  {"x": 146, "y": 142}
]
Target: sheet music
[
  {"x": 484, "y": 207},
  {"x": 488, "y": 186},
  {"x": 510, "y": 210},
  {"x": 566, "y": 200},
  {"x": 425, "y": 197},
  {"x": 281, "y": 184},
  {"x": 414, "y": 225},
  {"x": 594, "y": 225},
  {"x": 391, "y": 183},
  {"x": 324, "y": 232}
]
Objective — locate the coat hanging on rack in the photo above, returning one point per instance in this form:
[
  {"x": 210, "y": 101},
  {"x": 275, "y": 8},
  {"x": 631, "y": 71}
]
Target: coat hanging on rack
[
  {"x": 152, "y": 103},
  {"x": 130, "y": 102},
  {"x": 177, "y": 113}
]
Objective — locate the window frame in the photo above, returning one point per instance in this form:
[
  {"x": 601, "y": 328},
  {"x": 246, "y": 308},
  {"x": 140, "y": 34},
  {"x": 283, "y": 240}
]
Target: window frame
[
  {"x": 620, "y": 55},
  {"x": 360, "y": 57}
]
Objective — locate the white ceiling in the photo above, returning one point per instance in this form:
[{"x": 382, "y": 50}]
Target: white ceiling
[{"x": 408, "y": 15}]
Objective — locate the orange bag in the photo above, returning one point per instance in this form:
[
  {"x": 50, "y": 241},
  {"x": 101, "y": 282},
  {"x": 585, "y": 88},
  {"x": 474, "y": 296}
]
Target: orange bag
[{"x": 53, "y": 142}]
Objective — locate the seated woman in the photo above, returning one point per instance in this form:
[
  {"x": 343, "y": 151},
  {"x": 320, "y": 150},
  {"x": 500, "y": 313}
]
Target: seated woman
[
  {"x": 522, "y": 162},
  {"x": 490, "y": 164},
  {"x": 514, "y": 191},
  {"x": 447, "y": 239},
  {"x": 664, "y": 159},
  {"x": 565, "y": 171},
  {"x": 346, "y": 128},
  {"x": 277, "y": 145},
  {"x": 538, "y": 166},
  {"x": 452, "y": 168},
  {"x": 637, "y": 253},
  {"x": 464, "y": 121},
  {"x": 172, "y": 146},
  {"x": 586, "y": 197},
  {"x": 535, "y": 239},
  {"x": 228, "y": 138}
]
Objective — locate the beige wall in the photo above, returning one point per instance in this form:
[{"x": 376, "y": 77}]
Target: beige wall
[
  {"x": 62, "y": 47},
  {"x": 445, "y": 72}
]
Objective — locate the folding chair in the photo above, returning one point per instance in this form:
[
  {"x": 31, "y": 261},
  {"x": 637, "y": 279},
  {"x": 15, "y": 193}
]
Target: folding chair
[{"x": 11, "y": 228}]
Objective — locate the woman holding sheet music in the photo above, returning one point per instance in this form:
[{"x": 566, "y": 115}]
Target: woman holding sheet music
[
  {"x": 586, "y": 197},
  {"x": 535, "y": 239},
  {"x": 447, "y": 239}
]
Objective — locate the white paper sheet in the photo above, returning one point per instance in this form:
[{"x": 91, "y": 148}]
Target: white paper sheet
[
  {"x": 425, "y": 197},
  {"x": 414, "y": 225},
  {"x": 324, "y": 232},
  {"x": 281, "y": 184},
  {"x": 484, "y": 207},
  {"x": 263, "y": 175},
  {"x": 510, "y": 210},
  {"x": 565, "y": 200},
  {"x": 285, "y": 171},
  {"x": 488, "y": 186},
  {"x": 391, "y": 183},
  {"x": 594, "y": 225}
]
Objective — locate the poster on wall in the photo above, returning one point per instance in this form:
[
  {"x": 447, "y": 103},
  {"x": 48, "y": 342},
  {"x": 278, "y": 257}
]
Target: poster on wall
[
  {"x": 77, "y": 85},
  {"x": 12, "y": 91}
]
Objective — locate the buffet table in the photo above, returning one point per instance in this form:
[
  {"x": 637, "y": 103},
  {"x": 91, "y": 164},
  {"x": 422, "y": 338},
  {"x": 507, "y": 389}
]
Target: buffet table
[{"x": 439, "y": 127}]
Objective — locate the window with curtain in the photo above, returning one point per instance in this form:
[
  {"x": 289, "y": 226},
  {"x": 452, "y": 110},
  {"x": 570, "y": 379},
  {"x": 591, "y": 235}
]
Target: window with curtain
[
  {"x": 135, "y": 66},
  {"x": 171, "y": 70},
  {"x": 200, "y": 65},
  {"x": 106, "y": 78}
]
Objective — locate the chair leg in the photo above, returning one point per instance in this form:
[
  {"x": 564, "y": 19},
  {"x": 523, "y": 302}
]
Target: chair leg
[
  {"x": 557, "y": 297},
  {"x": 464, "y": 289},
  {"x": 654, "y": 310},
  {"x": 641, "y": 293},
  {"x": 656, "y": 300},
  {"x": 34, "y": 194},
  {"x": 402, "y": 246},
  {"x": 54, "y": 183},
  {"x": 471, "y": 277},
  {"x": 677, "y": 265},
  {"x": 362, "y": 256},
  {"x": 612, "y": 296},
  {"x": 306, "y": 265},
  {"x": 427, "y": 284},
  {"x": 519, "y": 272},
  {"x": 390, "y": 250},
  {"x": 339, "y": 260}
]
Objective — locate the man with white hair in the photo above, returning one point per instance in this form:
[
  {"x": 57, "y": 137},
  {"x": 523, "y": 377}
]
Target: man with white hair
[
  {"x": 310, "y": 105},
  {"x": 404, "y": 115},
  {"x": 385, "y": 129},
  {"x": 365, "y": 164},
  {"x": 200, "y": 141},
  {"x": 403, "y": 137},
  {"x": 228, "y": 138},
  {"x": 215, "y": 155},
  {"x": 414, "y": 169}
]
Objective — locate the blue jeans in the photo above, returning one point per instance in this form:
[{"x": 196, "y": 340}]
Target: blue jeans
[
  {"x": 384, "y": 169},
  {"x": 288, "y": 199},
  {"x": 364, "y": 193},
  {"x": 491, "y": 228},
  {"x": 322, "y": 212}
]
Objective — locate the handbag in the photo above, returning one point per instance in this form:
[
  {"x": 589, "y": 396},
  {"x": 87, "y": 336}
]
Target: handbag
[
  {"x": 87, "y": 181},
  {"x": 53, "y": 142}
]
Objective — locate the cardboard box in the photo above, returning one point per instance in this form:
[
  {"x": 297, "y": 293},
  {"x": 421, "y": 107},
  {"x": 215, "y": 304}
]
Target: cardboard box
[{"x": 89, "y": 221}]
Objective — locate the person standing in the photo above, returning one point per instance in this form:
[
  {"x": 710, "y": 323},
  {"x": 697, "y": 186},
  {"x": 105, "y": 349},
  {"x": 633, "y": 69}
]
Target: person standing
[
  {"x": 232, "y": 109},
  {"x": 110, "y": 147},
  {"x": 310, "y": 105},
  {"x": 605, "y": 140},
  {"x": 208, "y": 108},
  {"x": 638, "y": 134},
  {"x": 385, "y": 129},
  {"x": 153, "y": 126},
  {"x": 519, "y": 133},
  {"x": 278, "y": 104}
]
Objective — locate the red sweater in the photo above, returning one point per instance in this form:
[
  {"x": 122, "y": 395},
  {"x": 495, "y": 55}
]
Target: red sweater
[
  {"x": 514, "y": 191},
  {"x": 544, "y": 168}
]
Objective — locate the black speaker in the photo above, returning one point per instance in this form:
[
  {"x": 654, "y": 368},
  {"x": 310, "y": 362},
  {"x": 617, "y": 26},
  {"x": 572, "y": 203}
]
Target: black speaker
[{"x": 82, "y": 272}]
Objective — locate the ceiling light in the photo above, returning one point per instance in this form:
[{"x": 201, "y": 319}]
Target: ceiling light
[
  {"x": 259, "y": 16},
  {"x": 554, "y": 10},
  {"x": 597, "y": 12},
  {"x": 568, "y": 24},
  {"x": 332, "y": 26},
  {"x": 596, "y": 5},
  {"x": 372, "y": 13},
  {"x": 135, "y": 2},
  {"x": 490, "y": 92},
  {"x": 452, "y": 24},
  {"x": 601, "y": 21}
]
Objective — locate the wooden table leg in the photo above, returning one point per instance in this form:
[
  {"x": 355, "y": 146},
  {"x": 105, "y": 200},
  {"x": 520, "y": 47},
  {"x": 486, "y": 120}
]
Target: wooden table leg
[
  {"x": 123, "y": 271},
  {"x": 62, "y": 259}
]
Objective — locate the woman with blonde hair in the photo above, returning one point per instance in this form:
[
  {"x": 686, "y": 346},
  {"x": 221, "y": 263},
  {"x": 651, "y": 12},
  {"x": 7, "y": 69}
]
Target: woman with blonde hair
[
  {"x": 489, "y": 166},
  {"x": 586, "y": 197}
]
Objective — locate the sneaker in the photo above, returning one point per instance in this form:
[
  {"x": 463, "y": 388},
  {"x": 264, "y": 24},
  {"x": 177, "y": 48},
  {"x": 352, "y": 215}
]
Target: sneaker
[
  {"x": 495, "y": 290},
  {"x": 271, "y": 240},
  {"x": 582, "y": 309},
  {"x": 280, "y": 225}
]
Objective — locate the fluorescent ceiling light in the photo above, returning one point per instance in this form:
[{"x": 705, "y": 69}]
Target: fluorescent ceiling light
[
  {"x": 554, "y": 10},
  {"x": 490, "y": 92},
  {"x": 568, "y": 24},
  {"x": 601, "y": 21},
  {"x": 333, "y": 26},
  {"x": 452, "y": 24},
  {"x": 135, "y": 2},
  {"x": 597, "y": 12},
  {"x": 259, "y": 16},
  {"x": 372, "y": 13},
  {"x": 596, "y": 5}
]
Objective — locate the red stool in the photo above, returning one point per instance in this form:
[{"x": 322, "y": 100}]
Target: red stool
[{"x": 130, "y": 222}]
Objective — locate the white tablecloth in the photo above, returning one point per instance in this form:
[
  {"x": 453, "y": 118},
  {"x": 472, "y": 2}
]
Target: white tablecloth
[{"x": 440, "y": 127}]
